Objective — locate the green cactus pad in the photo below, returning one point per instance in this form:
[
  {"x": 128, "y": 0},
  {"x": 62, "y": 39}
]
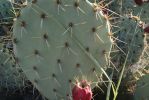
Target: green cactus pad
[
  {"x": 142, "y": 88},
  {"x": 118, "y": 7},
  {"x": 6, "y": 10},
  {"x": 142, "y": 12},
  {"x": 130, "y": 39},
  {"x": 11, "y": 76},
  {"x": 59, "y": 41}
]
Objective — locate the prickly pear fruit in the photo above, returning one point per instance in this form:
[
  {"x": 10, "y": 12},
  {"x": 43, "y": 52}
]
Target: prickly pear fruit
[{"x": 82, "y": 91}]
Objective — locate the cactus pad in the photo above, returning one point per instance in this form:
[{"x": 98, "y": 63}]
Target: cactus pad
[
  {"x": 130, "y": 39},
  {"x": 11, "y": 76},
  {"x": 142, "y": 88},
  {"x": 60, "y": 41}
]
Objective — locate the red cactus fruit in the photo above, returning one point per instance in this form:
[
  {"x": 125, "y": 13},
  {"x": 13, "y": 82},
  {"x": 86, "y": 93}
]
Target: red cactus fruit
[
  {"x": 146, "y": 29},
  {"x": 82, "y": 91},
  {"x": 105, "y": 11},
  {"x": 138, "y": 2}
]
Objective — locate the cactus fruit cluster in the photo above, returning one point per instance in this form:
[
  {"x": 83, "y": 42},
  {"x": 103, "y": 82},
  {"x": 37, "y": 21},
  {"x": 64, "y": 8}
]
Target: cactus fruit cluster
[{"x": 64, "y": 47}]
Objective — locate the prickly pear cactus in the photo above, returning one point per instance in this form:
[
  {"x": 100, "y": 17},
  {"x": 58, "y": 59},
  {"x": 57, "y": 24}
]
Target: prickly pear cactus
[
  {"x": 5, "y": 10},
  {"x": 142, "y": 12},
  {"x": 6, "y": 15},
  {"x": 117, "y": 7},
  {"x": 121, "y": 6},
  {"x": 60, "y": 42},
  {"x": 11, "y": 76},
  {"x": 130, "y": 39},
  {"x": 142, "y": 88}
]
